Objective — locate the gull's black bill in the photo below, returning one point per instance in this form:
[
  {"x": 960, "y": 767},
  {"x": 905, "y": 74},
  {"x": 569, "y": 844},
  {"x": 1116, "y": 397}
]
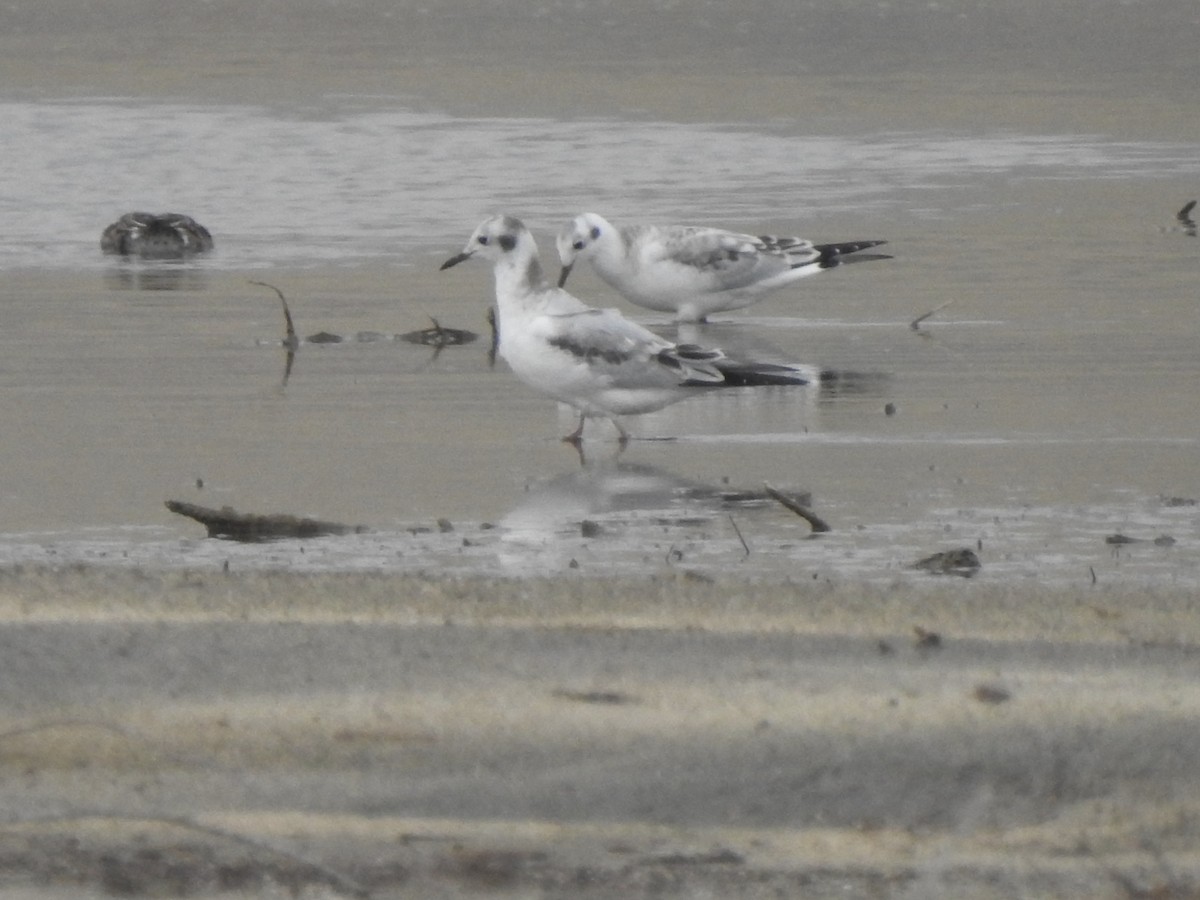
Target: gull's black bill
[
  {"x": 454, "y": 260},
  {"x": 563, "y": 275}
]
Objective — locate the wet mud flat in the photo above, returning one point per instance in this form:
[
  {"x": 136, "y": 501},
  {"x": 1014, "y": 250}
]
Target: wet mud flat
[{"x": 261, "y": 734}]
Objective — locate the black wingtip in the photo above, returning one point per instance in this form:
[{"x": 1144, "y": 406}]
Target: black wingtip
[
  {"x": 739, "y": 374},
  {"x": 845, "y": 252},
  {"x": 842, "y": 254}
]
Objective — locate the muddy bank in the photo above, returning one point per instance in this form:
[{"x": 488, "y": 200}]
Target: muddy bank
[{"x": 184, "y": 734}]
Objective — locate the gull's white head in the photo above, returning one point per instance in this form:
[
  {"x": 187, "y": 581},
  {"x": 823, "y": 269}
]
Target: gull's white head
[
  {"x": 577, "y": 239},
  {"x": 494, "y": 239}
]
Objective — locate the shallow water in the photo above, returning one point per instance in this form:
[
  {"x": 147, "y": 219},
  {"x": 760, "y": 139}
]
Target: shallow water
[{"x": 1050, "y": 400}]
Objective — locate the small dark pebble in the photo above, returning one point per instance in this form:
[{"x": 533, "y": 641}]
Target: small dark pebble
[
  {"x": 927, "y": 640},
  {"x": 590, "y": 529},
  {"x": 990, "y": 693}
]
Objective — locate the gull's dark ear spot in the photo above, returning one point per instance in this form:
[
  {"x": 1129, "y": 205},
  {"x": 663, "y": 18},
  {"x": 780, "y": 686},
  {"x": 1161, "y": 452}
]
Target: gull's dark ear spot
[
  {"x": 595, "y": 232},
  {"x": 507, "y": 242}
]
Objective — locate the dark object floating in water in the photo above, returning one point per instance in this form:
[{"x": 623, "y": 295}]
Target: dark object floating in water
[
  {"x": 150, "y": 236},
  {"x": 324, "y": 337},
  {"x": 926, "y": 639},
  {"x": 1177, "y": 501},
  {"x": 1121, "y": 539},
  {"x": 249, "y": 527},
  {"x": 963, "y": 562},
  {"x": 1163, "y": 540},
  {"x": 915, "y": 324},
  {"x": 819, "y": 525},
  {"x": 439, "y": 336},
  {"x": 613, "y": 698},
  {"x": 1185, "y": 218},
  {"x": 991, "y": 693}
]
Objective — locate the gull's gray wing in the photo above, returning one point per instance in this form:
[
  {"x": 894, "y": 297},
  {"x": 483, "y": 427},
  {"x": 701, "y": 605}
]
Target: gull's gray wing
[
  {"x": 721, "y": 260},
  {"x": 623, "y": 352}
]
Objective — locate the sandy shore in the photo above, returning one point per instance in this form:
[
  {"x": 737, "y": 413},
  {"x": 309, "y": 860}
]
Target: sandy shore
[{"x": 186, "y": 734}]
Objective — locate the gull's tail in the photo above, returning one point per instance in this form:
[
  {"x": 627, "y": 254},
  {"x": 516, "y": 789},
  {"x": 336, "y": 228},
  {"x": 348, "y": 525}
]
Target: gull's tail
[
  {"x": 747, "y": 374},
  {"x": 840, "y": 254}
]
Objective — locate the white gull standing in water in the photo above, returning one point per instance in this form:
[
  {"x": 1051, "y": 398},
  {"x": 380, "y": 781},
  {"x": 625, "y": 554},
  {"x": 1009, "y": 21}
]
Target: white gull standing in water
[
  {"x": 694, "y": 271},
  {"x": 596, "y": 360}
]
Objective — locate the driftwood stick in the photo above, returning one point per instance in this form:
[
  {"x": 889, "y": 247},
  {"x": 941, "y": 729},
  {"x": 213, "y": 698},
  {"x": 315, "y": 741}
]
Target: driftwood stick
[
  {"x": 228, "y": 523},
  {"x": 291, "y": 341},
  {"x": 738, "y": 532},
  {"x": 915, "y": 324},
  {"x": 819, "y": 525}
]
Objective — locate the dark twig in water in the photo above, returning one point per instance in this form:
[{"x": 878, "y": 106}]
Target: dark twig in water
[
  {"x": 335, "y": 878},
  {"x": 440, "y": 333},
  {"x": 1185, "y": 218},
  {"x": 291, "y": 341},
  {"x": 915, "y": 324},
  {"x": 819, "y": 525},
  {"x": 738, "y": 532}
]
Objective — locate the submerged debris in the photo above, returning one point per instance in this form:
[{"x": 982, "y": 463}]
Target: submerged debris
[
  {"x": 1176, "y": 501},
  {"x": 962, "y": 561},
  {"x": 1163, "y": 540},
  {"x": 612, "y": 698},
  {"x": 926, "y": 639},
  {"x": 915, "y": 324},
  {"x": 324, "y": 337},
  {"x": 819, "y": 525},
  {"x": 991, "y": 693},
  {"x": 150, "y": 236},
  {"x": 439, "y": 336},
  {"x": 1185, "y": 218},
  {"x": 227, "y": 523}
]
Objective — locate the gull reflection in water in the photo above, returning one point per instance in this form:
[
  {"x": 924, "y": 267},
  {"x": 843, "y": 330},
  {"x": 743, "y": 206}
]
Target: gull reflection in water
[{"x": 630, "y": 504}]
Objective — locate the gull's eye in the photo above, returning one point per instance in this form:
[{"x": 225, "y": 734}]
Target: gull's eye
[
  {"x": 483, "y": 239},
  {"x": 579, "y": 245}
]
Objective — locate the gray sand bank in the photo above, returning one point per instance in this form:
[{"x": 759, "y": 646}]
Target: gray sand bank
[{"x": 179, "y": 734}]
